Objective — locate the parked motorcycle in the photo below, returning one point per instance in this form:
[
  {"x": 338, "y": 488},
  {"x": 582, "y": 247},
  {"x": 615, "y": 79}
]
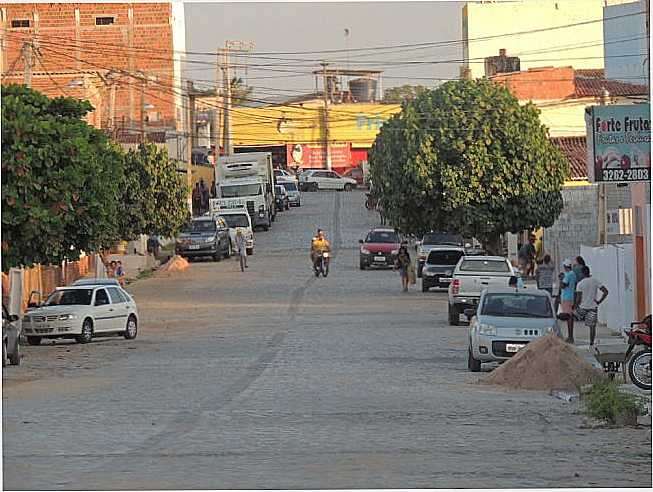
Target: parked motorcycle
[
  {"x": 639, "y": 363},
  {"x": 321, "y": 264}
]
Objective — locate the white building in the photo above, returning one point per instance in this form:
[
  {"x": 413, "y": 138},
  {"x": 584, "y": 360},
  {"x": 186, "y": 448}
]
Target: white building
[{"x": 562, "y": 32}]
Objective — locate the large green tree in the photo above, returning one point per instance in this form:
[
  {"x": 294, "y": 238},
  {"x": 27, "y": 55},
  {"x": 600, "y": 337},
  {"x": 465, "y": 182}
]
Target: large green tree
[
  {"x": 154, "y": 196},
  {"x": 60, "y": 180},
  {"x": 398, "y": 95},
  {"x": 466, "y": 157}
]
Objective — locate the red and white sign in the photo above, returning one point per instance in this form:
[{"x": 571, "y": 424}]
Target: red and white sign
[{"x": 309, "y": 156}]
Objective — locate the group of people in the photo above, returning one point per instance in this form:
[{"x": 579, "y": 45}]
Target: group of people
[
  {"x": 201, "y": 195},
  {"x": 116, "y": 270}
]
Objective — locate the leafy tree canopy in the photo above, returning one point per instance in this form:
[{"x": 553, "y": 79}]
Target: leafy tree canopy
[
  {"x": 397, "y": 95},
  {"x": 466, "y": 157},
  {"x": 60, "y": 180}
]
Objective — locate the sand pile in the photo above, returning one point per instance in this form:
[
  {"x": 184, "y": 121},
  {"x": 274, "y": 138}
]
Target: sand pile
[
  {"x": 545, "y": 364},
  {"x": 174, "y": 264}
]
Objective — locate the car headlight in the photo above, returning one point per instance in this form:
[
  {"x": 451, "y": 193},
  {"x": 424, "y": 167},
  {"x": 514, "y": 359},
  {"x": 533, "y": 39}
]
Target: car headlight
[
  {"x": 210, "y": 239},
  {"x": 27, "y": 319},
  {"x": 428, "y": 273},
  {"x": 394, "y": 252},
  {"x": 65, "y": 317},
  {"x": 484, "y": 329},
  {"x": 365, "y": 251},
  {"x": 548, "y": 329}
]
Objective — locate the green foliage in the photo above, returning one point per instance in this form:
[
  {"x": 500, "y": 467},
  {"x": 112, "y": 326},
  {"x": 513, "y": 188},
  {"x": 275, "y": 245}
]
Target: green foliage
[
  {"x": 397, "y": 95},
  {"x": 154, "y": 195},
  {"x": 240, "y": 93},
  {"x": 466, "y": 157},
  {"x": 60, "y": 180},
  {"x": 604, "y": 401}
]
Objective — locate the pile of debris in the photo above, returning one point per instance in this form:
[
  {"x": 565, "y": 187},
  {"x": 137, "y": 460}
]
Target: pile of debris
[
  {"x": 174, "y": 264},
  {"x": 545, "y": 364}
]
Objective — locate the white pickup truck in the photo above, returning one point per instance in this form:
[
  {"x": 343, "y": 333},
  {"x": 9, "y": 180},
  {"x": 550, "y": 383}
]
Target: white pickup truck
[{"x": 472, "y": 275}]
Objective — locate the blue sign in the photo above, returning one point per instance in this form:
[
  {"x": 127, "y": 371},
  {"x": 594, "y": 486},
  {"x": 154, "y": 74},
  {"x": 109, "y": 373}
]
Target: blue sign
[{"x": 619, "y": 143}]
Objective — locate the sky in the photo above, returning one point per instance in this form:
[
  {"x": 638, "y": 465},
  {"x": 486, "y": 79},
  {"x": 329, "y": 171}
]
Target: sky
[{"x": 301, "y": 27}]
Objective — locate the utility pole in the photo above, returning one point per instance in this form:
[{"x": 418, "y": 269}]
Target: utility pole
[
  {"x": 142, "y": 113},
  {"x": 226, "y": 81},
  {"x": 26, "y": 51},
  {"x": 112, "y": 109},
  {"x": 189, "y": 142},
  {"x": 216, "y": 111},
  {"x": 327, "y": 145},
  {"x": 603, "y": 196}
]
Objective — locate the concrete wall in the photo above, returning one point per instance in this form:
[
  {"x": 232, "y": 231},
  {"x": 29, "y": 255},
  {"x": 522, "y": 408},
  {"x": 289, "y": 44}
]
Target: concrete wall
[
  {"x": 629, "y": 25},
  {"x": 497, "y": 19}
]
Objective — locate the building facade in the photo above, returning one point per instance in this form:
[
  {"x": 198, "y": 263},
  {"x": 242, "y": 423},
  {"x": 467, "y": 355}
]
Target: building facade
[{"x": 132, "y": 47}]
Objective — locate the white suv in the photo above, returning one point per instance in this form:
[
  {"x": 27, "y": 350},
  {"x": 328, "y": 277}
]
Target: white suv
[
  {"x": 320, "y": 179},
  {"x": 82, "y": 312}
]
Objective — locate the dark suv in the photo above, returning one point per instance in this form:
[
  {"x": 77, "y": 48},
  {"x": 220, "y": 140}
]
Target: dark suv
[
  {"x": 204, "y": 236},
  {"x": 439, "y": 267}
]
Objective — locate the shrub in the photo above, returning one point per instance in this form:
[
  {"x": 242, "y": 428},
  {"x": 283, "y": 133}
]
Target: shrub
[{"x": 604, "y": 401}]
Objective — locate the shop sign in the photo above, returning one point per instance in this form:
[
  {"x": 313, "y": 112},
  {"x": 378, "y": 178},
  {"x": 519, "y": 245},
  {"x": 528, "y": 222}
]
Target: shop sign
[
  {"x": 309, "y": 156},
  {"x": 618, "y": 143}
]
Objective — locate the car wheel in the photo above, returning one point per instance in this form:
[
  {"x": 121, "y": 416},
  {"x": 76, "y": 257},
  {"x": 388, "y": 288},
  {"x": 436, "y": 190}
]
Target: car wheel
[
  {"x": 474, "y": 365},
  {"x": 131, "y": 330},
  {"x": 314, "y": 187},
  {"x": 265, "y": 228},
  {"x": 34, "y": 340},
  {"x": 425, "y": 287},
  {"x": 454, "y": 315},
  {"x": 229, "y": 250},
  {"x": 250, "y": 251},
  {"x": 362, "y": 265},
  {"x": 14, "y": 357},
  {"x": 87, "y": 332},
  {"x": 347, "y": 187},
  {"x": 287, "y": 206}
]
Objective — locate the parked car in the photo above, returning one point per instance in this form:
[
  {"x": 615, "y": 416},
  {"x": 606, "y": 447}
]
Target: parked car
[
  {"x": 82, "y": 312},
  {"x": 471, "y": 276},
  {"x": 379, "y": 248},
  {"x": 505, "y": 321},
  {"x": 430, "y": 241},
  {"x": 238, "y": 218},
  {"x": 316, "y": 179},
  {"x": 204, "y": 236},
  {"x": 283, "y": 174},
  {"x": 11, "y": 329},
  {"x": 355, "y": 173},
  {"x": 281, "y": 198},
  {"x": 294, "y": 196},
  {"x": 439, "y": 266}
]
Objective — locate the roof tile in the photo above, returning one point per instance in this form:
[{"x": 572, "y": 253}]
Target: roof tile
[{"x": 575, "y": 149}]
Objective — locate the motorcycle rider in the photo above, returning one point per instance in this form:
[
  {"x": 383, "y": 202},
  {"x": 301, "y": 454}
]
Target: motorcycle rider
[{"x": 319, "y": 244}]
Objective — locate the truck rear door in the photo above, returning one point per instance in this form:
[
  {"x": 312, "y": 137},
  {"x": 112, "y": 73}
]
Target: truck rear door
[{"x": 475, "y": 275}]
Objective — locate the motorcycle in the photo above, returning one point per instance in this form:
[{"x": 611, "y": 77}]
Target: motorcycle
[
  {"x": 639, "y": 363},
  {"x": 321, "y": 264}
]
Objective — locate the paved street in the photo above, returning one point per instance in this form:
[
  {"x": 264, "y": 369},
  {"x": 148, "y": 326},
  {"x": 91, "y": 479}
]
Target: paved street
[{"x": 275, "y": 379}]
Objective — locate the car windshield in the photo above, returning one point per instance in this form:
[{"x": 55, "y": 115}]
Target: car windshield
[
  {"x": 290, "y": 186},
  {"x": 199, "y": 226},
  {"x": 489, "y": 266},
  {"x": 278, "y": 190},
  {"x": 236, "y": 191},
  {"x": 444, "y": 257},
  {"x": 236, "y": 220},
  {"x": 442, "y": 238},
  {"x": 70, "y": 297},
  {"x": 382, "y": 237},
  {"x": 517, "y": 305}
]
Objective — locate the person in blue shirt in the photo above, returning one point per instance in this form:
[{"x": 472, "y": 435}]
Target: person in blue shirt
[{"x": 567, "y": 293}]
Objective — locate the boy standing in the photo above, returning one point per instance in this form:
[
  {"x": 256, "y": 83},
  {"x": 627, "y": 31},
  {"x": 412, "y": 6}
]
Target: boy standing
[
  {"x": 544, "y": 275},
  {"x": 586, "y": 303}
]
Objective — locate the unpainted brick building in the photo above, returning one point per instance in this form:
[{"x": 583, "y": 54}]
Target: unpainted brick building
[{"x": 133, "y": 47}]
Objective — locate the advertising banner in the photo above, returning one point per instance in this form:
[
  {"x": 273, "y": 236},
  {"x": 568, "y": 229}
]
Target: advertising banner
[
  {"x": 309, "y": 156},
  {"x": 619, "y": 143}
]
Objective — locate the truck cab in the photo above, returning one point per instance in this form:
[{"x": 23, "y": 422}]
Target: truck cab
[{"x": 237, "y": 218}]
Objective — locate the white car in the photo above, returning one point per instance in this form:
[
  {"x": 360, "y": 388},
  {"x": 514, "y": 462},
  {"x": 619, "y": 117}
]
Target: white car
[
  {"x": 285, "y": 175},
  {"x": 239, "y": 219},
  {"x": 82, "y": 312},
  {"x": 319, "y": 179}
]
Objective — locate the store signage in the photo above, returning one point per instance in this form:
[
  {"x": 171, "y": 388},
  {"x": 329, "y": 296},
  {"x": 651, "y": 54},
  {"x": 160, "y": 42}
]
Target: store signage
[
  {"x": 309, "y": 156},
  {"x": 618, "y": 143}
]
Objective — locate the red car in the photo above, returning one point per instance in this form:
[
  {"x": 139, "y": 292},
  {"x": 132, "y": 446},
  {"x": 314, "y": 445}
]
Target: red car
[
  {"x": 379, "y": 248},
  {"x": 357, "y": 174}
]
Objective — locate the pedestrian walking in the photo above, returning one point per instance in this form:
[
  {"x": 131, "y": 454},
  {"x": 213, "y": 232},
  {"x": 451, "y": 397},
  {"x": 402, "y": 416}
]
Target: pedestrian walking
[
  {"x": 379, "y": 208},
  {"x": 204, "y": 197},
  {"x": 120, "y": 273},
  {"x": 241, "y": 246},
  {"x": 526, "y": 256},
  {"x": 197, "y": 199},
  {"x": 111, "y": 269},
  {"x": 567, "y": 295},
  {"x": 403, "y": 264},
  {"x": 586, "y": 303},
  {"x": 544, "y": 275}
]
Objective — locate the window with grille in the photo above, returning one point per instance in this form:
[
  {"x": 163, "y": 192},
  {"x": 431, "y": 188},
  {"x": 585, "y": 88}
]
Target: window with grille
[
  {"x": 20, "y": 23},
  {"x": 104, "y": 21}
]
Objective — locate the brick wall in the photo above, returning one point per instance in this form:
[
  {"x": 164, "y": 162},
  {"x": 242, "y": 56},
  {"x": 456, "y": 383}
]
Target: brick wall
[
  {"x": 539, "y": 84},
  {"x": 69, "y": 39}
]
